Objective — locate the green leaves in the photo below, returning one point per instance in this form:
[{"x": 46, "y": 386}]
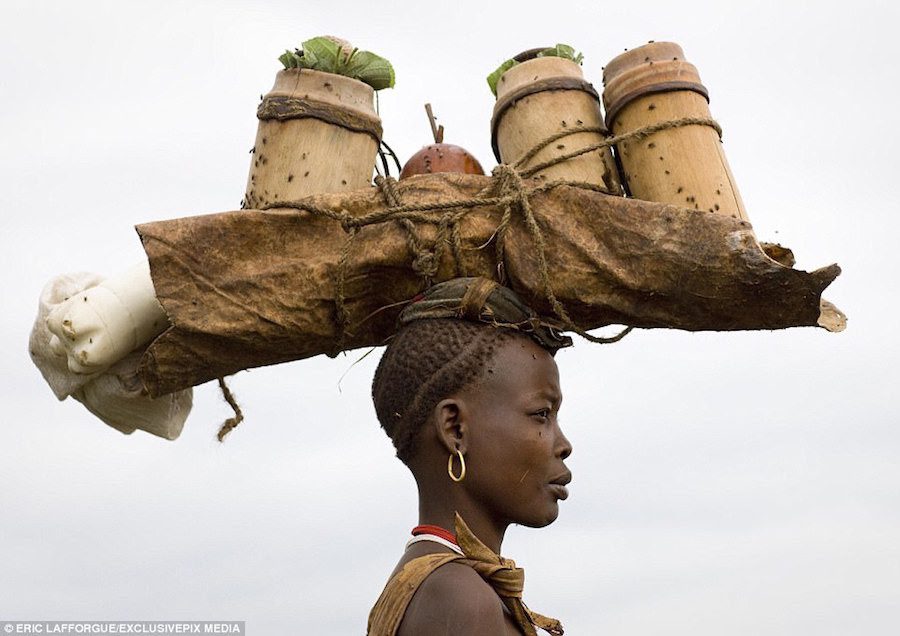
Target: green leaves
[
  {"x": 289, "y": 59},
  {"x": 560, "y": 50},
  {"x": 494, "y": 77},
  {"x": 367, "y": 67},
  {"x": 564, "y": 51},
  {"x": 336, "y": 56}
]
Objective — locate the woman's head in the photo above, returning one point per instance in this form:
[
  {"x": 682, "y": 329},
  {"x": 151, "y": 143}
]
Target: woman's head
[
  {"x": 425, "y": 362},
  {"x": 493, "y": 394}
]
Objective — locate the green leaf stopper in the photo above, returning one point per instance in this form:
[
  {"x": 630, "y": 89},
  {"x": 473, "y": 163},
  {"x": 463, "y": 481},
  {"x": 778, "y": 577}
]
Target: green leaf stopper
[
  {"x": 332, "y": 55},
  {"x": 560, "y": 50}
]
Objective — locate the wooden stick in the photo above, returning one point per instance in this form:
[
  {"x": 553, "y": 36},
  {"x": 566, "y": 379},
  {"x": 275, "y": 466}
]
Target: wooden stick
[{"x": 436, "y": 131}]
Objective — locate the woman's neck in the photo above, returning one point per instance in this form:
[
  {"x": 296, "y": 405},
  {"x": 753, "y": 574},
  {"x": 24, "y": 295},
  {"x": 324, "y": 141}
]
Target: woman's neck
[{"x": 442, "y": 512}]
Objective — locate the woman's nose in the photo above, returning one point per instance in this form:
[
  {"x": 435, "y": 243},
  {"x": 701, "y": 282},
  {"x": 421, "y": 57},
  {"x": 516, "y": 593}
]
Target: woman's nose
[{"x": 563, "y": 445}]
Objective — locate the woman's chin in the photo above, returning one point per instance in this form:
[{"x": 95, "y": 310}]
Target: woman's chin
[{"x": 545, "y": 518}]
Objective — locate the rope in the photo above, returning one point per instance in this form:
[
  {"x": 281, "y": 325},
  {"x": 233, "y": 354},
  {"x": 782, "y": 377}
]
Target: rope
[
  {"x": 339, "y": 304},
  {"x": 231, "y": 423},
  {"x": 634, "y": 135},
  {"x": 510, "y": 194},
  {"x": 425, "y": 262}
]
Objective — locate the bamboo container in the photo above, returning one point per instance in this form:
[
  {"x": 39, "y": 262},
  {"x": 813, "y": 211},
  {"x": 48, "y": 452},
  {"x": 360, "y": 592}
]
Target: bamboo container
[
  {"x": 683, "y": 166},
  {"x": 318, "y": 132},
  {"x": 543, "y": 96}
]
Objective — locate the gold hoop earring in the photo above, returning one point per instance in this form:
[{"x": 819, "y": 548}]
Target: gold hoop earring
[{"x": 462, "y": 466}]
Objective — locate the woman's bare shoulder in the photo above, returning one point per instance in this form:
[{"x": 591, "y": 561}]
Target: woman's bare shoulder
[{"x": 454, "y": 599}]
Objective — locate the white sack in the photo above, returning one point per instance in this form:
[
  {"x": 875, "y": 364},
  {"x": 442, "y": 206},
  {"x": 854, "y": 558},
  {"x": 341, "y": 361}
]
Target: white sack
[
  {"x": 117, "y": 397},
  {"x": 51, "y": 361},
  {"x": 114, "y": 395},
  {"x": 105, "y": 322}
]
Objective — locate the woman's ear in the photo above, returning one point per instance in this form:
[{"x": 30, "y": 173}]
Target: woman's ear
[{"x": 451, "y": 425}]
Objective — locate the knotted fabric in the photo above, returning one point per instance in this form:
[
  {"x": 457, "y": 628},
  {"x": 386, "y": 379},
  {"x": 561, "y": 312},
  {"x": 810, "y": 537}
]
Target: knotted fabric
[
  {"x": 507, "y": 580},
  {"x": 478, "y": 299},
  {"x": 501, "y": 574}
]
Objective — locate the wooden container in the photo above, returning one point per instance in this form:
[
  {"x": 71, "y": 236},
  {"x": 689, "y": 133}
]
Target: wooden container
[
  {"x": 541, "y": 97},
  {"x": 683, "y": 166},
  {"x": 318, "y": 132}
]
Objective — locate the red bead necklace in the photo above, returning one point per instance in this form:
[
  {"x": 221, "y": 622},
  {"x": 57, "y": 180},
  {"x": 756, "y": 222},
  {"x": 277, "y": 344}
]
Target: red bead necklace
[
  {"x": 437, "y": 531},
  {"x": 435, "y": 534}
]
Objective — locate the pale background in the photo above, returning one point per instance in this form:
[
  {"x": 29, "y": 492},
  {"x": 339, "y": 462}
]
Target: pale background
[{"x": 733, "y": 483}]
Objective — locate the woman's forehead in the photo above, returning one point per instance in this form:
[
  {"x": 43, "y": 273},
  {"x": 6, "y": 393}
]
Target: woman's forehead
[{"x": 523, "y": 368}]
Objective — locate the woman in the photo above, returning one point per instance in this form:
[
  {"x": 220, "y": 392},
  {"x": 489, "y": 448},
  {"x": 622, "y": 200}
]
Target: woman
[{"x": 469, "y": 393}]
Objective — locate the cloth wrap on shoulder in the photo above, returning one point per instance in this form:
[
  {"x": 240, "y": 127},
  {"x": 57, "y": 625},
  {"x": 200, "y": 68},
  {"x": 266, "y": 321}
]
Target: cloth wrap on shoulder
[{"x": 501, "y": 574}]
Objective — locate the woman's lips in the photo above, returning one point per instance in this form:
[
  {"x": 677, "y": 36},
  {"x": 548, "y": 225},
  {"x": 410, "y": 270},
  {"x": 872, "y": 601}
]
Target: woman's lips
[
  {"x": 560, "y": 491},
  {"x": 558, "y": 485}
]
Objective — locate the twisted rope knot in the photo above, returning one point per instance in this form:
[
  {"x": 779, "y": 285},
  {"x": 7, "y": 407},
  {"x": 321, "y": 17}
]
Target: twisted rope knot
[
  {"x": 349, "y": 224},
  {"x": 509, "y": 181},
  {"x": 425, "y": 264}
]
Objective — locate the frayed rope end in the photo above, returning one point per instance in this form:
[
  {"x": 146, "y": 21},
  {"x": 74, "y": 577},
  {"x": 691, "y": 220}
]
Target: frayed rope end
[{"x": 231, "y": 423}]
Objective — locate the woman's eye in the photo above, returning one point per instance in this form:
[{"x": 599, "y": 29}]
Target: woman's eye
[{"x": 543, "y": 414}]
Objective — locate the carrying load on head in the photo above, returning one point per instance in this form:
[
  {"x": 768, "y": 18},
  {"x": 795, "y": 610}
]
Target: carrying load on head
[{"x": 321, "y": 262}]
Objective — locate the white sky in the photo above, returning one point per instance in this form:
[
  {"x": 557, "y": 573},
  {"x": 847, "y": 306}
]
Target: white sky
[{"x": 742, "y": 483}]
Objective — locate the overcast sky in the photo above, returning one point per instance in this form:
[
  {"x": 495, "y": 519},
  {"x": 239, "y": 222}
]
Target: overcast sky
[{"x": 725, "y": 483}]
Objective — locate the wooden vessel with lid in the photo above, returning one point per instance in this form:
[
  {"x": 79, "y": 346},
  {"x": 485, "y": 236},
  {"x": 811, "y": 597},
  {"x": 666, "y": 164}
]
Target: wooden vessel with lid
[
  {"x": 542, "y": 96},
  {"x": 318, "y": 132},
  {"x": 684, "y": 166}
]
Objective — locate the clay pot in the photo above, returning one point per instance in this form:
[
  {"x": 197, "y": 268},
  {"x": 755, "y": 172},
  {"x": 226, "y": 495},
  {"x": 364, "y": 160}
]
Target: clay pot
[{"x": 441, "y": 158}]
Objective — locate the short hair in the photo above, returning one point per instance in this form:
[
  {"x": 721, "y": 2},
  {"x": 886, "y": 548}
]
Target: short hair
[{"x": 427, "y": 361}]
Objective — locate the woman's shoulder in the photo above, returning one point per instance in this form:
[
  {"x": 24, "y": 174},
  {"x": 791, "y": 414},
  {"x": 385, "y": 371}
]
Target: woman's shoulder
[{"x": 454, "y": 599}]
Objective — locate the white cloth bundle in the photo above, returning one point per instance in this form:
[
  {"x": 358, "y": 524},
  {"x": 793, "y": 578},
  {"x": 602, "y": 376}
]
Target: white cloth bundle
[{"x": 87, "y": 340}]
